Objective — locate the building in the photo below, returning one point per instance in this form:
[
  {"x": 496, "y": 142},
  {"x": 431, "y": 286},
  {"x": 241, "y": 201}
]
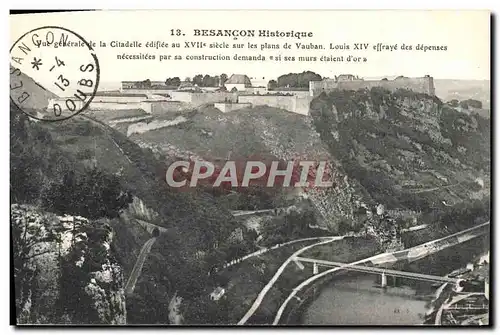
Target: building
[
  {"x": 347, "y": 77},
  {"x": 239, "y": 81},
  {"x": 217, "y": 293},
  {"x": 188, "y": 86}
]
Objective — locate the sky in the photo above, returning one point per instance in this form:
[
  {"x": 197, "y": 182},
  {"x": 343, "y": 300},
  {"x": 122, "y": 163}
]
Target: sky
[{"x": 466, "y": 35}]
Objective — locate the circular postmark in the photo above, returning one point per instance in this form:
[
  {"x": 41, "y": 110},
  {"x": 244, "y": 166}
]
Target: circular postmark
[{"x": 54, "y": 73}]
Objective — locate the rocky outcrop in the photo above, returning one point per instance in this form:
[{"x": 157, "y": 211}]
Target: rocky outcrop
[
  {"x": 406, "y": 150},
  {"x": 64, "y": 270},
  {"x": 174, "y": 315}
]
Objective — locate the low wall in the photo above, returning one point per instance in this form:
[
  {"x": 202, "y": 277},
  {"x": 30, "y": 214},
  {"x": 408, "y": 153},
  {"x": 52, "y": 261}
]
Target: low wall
[
  {"x": 228, "y": 107},
  {"x": 294, "y": 104},
  {"x": 278, "y": 101},
  {"x": 161, "y": 107},
  {"x": 96, "y": 105},
  {"x": 142, "y": 127},
  {"x": 112, "y": 98},
  {"x": 301, "y": 94},
  {"x": 197, "y": 99},
  {"x": 147, "y": 91}
]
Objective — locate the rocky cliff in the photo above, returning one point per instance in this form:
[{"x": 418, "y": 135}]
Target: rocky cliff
[
  {"x": 407, "y": 150},
  {"x": 64, "y": 270}
]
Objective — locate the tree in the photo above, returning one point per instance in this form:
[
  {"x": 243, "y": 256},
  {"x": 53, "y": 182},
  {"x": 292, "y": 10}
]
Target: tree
[
  {"x": 298, "y": 80},
  {"x": 223, "y": 78},
  {"x": 207, "y": 81},
  {"x": 343, "y": 228},
  {"x": 175, "y": 81},
  {"x": 93, "y": 195},
  {"x": 198, "y": 80},
  {"x": 146, "y": 83},
  {"x": 272, "y": 85}
]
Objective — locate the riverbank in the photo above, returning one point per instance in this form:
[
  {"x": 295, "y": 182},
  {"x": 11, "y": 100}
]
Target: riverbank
[
  {"x": 440, "y": 263},
  {"x": 347, "y": 250}
]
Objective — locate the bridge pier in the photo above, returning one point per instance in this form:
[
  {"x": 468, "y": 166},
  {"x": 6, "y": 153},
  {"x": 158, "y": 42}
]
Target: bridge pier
[
  {"x": 383, "y": 281},
  {"x": 315, "y": 268}
]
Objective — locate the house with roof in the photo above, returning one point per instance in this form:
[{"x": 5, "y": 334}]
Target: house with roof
[
  {"x": 217, "y": 293},
  {"x": 188, "y": 86},
  {"x": 240, "y": 82}
]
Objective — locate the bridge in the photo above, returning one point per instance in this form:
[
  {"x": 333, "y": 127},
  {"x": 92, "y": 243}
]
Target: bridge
[
  {"x": 380, "y": 260},
  {"x": 384, "y": 272}
]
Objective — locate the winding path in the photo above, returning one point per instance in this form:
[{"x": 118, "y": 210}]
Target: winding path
[
  {"x": 273, "y": 280},
  {"x": 274, "y": 247},
  {"x": 139, "y": 263}
]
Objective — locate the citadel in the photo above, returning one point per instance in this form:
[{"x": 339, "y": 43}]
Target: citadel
[{"x": 238, "y": 92}]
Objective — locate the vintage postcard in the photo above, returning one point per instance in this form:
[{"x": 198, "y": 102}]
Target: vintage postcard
[{"x": 250, "y": 167}]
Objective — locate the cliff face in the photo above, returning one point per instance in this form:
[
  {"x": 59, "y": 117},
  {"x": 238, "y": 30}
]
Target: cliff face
[
  {"x": 407, "y": 150},
  {"x": 64, "y": 270}
]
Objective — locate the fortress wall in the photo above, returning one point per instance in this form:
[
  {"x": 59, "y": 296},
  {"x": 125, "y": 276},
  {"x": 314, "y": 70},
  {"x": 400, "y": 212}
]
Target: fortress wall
[
  {"x": 316, "y": 87},
  {"x": 206, "y": 98},
  {"x": 420, "y": 85},
  {"x": 278, "y": 101},
  {"x": 229, "y": 107},
  {"x": 147, "y": 92},
  {"x": 96, "y": 105},
  {"x": 302, "y": 105},
  {"x": 197, "y": 99},
  {"x": 182, "y": 96},
  {"x": 101, "y": 98},
  {"x": 146, "y": 106},
  {"x": 300, "y": 94},
  {"x": 161, "y": 107}
]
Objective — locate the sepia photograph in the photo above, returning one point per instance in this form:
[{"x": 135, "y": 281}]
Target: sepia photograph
[{"x": 250, "y": 168}]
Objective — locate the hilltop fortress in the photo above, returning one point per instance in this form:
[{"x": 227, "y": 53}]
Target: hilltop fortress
[
  {"x": 238, "y": 92},
  {"x": 350, "y": 82}
]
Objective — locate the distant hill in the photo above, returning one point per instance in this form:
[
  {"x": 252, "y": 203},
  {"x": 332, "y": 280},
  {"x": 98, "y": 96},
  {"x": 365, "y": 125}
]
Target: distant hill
[
  {"x": 449, "y": 89},
  {"x": 39, "y": 96}
]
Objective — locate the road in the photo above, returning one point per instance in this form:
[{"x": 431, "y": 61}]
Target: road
[
  {"x": 139, "y": 263},
  {"x": 261, "y": 211},
  {"x": 386, "y": 258},
  {"x": 274, "y": 247},
  {"x": 273, "y": 280}
]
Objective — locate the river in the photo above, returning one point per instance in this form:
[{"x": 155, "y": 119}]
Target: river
[{"x": 358, "y": 300}]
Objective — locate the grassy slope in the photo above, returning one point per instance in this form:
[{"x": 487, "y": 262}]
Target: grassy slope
[
  {"x": 247, "y": 132},
  {"x": 39, "y": 97}
]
